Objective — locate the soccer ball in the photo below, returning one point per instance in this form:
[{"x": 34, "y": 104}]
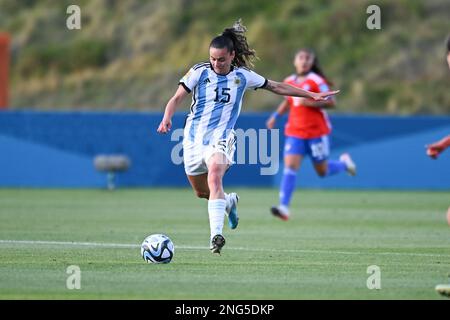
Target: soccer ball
[{"x": 157, "y": 248}]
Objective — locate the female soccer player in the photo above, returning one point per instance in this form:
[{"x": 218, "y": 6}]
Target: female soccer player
[
  {"x": 436, "y": 148},
  {"x": 307, "y": 129},
  {"x": 433, "y": 151},
  {"x": 217, "y": 90},
  {"x": 448, "y": 51}
]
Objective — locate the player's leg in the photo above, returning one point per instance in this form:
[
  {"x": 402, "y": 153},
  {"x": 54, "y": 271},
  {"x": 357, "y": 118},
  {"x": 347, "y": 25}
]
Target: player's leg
[
  {"x": 198, "y": 161},
  {"x": 294, "y": 150},
  {"x": 326, "y": 168},
  {"x": 197, "y": 172},
  {"x": 319, "y": 149},
  {"x": 321, "y": 168},
  {"x": 199, "y": 184},
  {"x": 218, "y": 158},
  {"x": 199, "y": 178},
  {"x": 217, "y": 165},
  {"x": 227, "y": 147}
]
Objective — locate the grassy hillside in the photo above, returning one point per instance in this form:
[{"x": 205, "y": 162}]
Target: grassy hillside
[{"x": 130, "y": 54}]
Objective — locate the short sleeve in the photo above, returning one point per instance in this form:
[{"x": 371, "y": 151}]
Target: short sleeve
[
  {"x": 254, "y": 80},
  {"x": 319, "y": 83},
  {"x": 323, "y": 87},
  {"x": 190, "y": 79}
]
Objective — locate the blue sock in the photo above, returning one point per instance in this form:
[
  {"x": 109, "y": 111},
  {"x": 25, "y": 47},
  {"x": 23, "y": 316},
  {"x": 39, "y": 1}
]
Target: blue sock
[
  {"x": 335, "y": 167},
  {"x": 287, "y": 186}
]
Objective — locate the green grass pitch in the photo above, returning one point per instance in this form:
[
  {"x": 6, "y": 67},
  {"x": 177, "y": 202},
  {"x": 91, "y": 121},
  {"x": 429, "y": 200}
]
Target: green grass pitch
[{"x": 323, "y": 252}]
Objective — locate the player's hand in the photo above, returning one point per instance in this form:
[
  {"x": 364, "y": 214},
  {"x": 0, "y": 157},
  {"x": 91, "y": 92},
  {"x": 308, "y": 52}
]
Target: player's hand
[
  {"x": 433, "y": 150},
  {"x": 270, "y": 124},
  {"x": 322, "y": 96},
  {"x": 165, "y": 126}
]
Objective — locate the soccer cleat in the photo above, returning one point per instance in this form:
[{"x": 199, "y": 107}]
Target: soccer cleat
[
  {"x": 217, "y": 242},
  {"x": 281, "y": 212},
  {"x": 443, "y": 289},
  {"x": 233, "y": 218},
  {"x": 351, "y": 167}
]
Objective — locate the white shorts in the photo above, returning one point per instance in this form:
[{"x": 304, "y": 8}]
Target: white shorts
[{"x": 196, "y": 155}]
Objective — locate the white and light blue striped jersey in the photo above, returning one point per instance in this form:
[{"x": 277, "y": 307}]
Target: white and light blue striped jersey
[{"x": 216, "y": 100}]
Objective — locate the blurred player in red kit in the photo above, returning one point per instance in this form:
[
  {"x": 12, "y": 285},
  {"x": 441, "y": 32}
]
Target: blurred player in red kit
[
  {"x": 434, "y": 149},
  {"x": 307, "y": 130}
]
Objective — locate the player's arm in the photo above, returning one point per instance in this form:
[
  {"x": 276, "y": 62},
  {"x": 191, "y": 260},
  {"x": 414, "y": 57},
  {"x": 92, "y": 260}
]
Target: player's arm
[
  {"x": 434, "y": 149},
  {"x": 327, "y": 104},
  {"x": 283, "y": 107},
  {"x": 285, "y": 89},
  {"x": 171, "y": 106}
]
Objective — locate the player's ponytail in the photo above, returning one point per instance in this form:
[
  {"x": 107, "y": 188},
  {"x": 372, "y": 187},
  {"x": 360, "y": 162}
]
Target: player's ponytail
[
  {"x": 316, "y": 66},
  {"x": 234, "y": 40}
]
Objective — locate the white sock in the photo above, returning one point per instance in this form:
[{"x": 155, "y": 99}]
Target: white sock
[{"x": 216, "y": 211}]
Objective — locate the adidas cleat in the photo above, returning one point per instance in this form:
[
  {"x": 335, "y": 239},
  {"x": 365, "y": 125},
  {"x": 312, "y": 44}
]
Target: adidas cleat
[
  {"x": 233, "y": 218},
  {"x": 280, "y": 212},
  {"x": 351, "y": 167},
  {"x": 217, "y": 242}
]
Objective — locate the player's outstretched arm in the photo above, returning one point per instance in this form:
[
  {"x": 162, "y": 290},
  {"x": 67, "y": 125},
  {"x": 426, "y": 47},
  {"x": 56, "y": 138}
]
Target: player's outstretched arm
[
  {"x": 434, "y": 149},
  {"x": 285, "y": 89},
  {"x": 327, "y": 104},
  {"x": 172, "y": 105}
]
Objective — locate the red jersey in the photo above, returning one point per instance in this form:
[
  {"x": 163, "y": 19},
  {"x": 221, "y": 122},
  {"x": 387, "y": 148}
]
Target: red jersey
[{"x": 307, "y": 122}]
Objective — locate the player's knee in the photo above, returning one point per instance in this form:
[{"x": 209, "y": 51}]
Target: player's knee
[
  {"x": 202, "y": 194},
  {"x": 214, "y": 180},
  {"x": 322, "y": 173}
]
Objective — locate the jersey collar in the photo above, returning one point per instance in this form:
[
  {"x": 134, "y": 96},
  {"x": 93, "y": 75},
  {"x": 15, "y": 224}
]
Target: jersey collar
[{"x": 224, "y": 75}]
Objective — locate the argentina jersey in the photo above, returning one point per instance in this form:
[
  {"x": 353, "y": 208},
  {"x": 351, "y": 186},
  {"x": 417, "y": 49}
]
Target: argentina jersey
[{"x": 216, "y": 100}]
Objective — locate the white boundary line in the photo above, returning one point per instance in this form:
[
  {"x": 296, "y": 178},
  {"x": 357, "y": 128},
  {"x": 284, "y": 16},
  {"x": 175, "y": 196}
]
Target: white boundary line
[{"x": 136, "y": 246}]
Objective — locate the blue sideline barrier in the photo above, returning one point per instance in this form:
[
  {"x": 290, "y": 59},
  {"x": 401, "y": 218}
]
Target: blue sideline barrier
[{"x": 56, "y": 149}]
